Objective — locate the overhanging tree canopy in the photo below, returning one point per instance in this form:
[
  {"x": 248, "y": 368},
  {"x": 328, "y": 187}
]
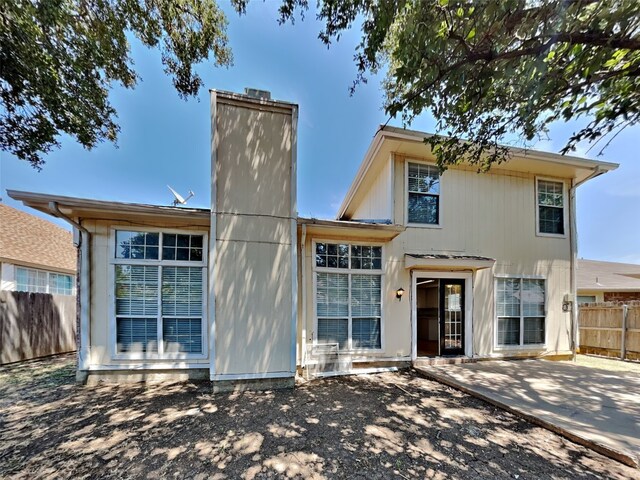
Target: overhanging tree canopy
[
  {"x": 59, "y": 59},
  {"x": 488, "y": 69},
  {"x": 485, "y": 69}
]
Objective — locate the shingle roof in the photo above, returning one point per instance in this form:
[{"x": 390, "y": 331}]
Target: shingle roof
[
  {"x": 607, "y": 276},
  {"x": 27, "y": 239}
]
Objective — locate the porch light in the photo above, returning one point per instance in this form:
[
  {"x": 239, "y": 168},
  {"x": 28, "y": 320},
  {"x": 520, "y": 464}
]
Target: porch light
[{"x": 399, "y": 293}]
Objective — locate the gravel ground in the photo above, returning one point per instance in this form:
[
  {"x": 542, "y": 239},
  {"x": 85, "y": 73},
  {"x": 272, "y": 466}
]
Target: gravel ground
[{"x": 392, "y": 425}]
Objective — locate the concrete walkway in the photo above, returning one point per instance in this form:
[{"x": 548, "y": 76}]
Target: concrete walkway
[{"x": 597, "y": 408}]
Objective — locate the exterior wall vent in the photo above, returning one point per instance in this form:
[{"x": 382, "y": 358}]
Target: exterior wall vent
[{"x": 259, "y": 94}]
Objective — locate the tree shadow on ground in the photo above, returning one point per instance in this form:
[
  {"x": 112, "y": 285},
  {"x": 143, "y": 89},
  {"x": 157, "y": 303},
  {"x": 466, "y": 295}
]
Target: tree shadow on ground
[{"x": 392, "y": 425}]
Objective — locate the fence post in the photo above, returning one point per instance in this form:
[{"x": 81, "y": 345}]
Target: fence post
[{"x": 623, "y": 345}]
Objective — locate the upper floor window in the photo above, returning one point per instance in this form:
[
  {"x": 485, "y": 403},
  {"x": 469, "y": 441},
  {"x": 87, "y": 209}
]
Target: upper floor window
[
  {"x": 423, "y": 185},
  {"x": 40, "y": 281},
  {"x": 159, "y": 305},
  {"x": 550, "y": 207}
]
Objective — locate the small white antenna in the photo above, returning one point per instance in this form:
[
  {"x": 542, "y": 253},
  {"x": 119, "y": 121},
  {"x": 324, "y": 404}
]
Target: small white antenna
[{"x": 178, "y": 200}]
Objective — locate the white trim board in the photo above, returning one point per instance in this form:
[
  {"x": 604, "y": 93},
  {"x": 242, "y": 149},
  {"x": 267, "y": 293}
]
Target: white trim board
[
  {"x": 348, "y": 271},
  {"x": 252, "y": 376},
  {"x": 149, "y": 366},
  {"x": 212, "y": 236},
  {"x": 565, "y": 194},
  {"x": 160, "y": 355},
  {"x": 293, "y": 225}
]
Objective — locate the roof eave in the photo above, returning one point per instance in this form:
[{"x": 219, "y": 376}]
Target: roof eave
[
  {"x": 331, "y": 228},
  {"x": 556, "y": 158},
  {"x": 41, "y": 202},
  {"x": 413, "y": 263},
  {"x": 608, "y": 289},
  {"x": 416, "y": 136}
]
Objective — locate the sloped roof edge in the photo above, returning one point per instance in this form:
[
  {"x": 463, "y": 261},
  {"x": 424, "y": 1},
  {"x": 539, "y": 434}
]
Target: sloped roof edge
[{"x": 389, "y": 132}]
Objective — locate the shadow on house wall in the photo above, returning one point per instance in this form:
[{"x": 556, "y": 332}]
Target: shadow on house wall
[{"x": 35, "y": 325}]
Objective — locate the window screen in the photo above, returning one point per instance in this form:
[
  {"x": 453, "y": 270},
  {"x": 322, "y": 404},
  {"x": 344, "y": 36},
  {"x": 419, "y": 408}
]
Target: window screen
[
  {"x": 521, "y": 311},
  {"x": 348, "y": 305},
  {"x": 182, "y": 335},
  {"x": 423, "y": 194},
  {"x": 159, "y": 306},
  {"x": 136, "y": 335},
  {"x": 551, "y": 207}
]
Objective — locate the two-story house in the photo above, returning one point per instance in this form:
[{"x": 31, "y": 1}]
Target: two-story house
[{"x": 418, "y": 265}]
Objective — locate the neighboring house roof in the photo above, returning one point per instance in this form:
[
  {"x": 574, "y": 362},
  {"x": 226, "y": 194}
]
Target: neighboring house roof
[
  {"x": 28, "y": 240},
  {"x": 608, "y": 276},
  {"x": 410, "y": 143}
]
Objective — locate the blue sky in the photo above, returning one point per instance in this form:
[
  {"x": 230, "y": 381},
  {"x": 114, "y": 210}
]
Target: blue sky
[{"x": 165, "y": 140}]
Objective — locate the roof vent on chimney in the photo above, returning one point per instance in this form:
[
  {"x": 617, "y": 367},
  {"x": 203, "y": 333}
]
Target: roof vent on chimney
[{"x": 259, "y": 94}]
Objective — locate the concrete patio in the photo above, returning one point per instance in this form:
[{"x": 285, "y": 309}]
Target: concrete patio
[{"x": 597, "y": 408}]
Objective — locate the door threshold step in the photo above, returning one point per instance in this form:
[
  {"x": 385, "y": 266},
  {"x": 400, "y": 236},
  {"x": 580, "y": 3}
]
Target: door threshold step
[{"x": 434, "y": 361}]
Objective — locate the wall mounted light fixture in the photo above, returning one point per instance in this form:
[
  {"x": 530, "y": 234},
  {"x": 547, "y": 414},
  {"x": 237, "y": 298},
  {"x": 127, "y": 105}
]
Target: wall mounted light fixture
[{"x": 399, "y": 293}]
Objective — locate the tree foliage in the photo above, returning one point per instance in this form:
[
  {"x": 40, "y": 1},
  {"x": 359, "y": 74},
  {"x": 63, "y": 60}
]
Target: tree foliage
[
  {"x": 488, "y": 70},
  {"x": 59, "y": 59}
]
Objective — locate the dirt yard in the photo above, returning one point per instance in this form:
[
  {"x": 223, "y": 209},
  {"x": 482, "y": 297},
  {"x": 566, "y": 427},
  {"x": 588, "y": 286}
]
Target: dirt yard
[{"x": 393, "y": 425}]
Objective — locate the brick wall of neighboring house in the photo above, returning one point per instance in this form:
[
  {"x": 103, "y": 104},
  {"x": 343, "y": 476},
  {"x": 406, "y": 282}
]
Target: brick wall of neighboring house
[{"x": 621, "y": 296}]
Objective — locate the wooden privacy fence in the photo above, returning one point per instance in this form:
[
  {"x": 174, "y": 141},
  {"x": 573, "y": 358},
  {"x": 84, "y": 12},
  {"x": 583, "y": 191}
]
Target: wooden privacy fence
[
  {"x": 610, "y": 328},
  {"x": 36, "y": 325}
]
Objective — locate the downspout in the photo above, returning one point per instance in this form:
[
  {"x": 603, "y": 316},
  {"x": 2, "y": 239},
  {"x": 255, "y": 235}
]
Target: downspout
[
  {"x": 85, "y": 288},
  {"x": 303, "y": 258},
  {"x": 573, "y": 233}
]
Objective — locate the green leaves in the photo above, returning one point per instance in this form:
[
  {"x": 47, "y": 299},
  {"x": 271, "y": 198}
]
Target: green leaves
[
  {"x": 492, "y": 70},
  {"x": 59, "y": 59}
]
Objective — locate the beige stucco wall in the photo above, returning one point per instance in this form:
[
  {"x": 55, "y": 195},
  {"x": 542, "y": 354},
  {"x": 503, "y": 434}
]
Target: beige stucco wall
[
  {"x": 254, "y": 259},
  {"x": 490, "y": 215},
  {"x": 102, "y": 291}
]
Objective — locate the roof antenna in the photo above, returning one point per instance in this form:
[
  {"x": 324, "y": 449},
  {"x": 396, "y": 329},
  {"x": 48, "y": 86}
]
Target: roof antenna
[{"x": 178, "y": 200}]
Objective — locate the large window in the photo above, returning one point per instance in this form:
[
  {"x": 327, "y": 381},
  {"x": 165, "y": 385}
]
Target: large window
[
  {"x": 348, "y": 295},
  {"x": 520, "y": 307},
  {"x": 41, "y": 281},
  {"x": 423, "y": 185},
  {"x": 550, "y": 207},
  {"x": 159, "y": 293}
]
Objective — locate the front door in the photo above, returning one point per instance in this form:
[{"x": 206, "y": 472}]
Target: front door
[{"x": 451, "y": 317}]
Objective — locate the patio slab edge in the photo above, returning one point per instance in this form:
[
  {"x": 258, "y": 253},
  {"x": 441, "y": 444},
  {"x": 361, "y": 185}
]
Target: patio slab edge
[{"x": 620, "y": 455}]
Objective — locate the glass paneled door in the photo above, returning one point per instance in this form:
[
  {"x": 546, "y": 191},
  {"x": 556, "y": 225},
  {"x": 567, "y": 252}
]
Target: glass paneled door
[{"x": 451, "y": 317}]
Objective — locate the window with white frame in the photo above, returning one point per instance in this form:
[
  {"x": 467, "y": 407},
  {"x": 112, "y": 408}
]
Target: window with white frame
[
  {"x": 348, "y": 295},
  {"x": 550, "y": 207},
  {"x": 42, "y": 281},
  {"x": 521, "y": 311},
  {"x": 159, "y": 293},
  {"x": 423, "y": 202}
]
